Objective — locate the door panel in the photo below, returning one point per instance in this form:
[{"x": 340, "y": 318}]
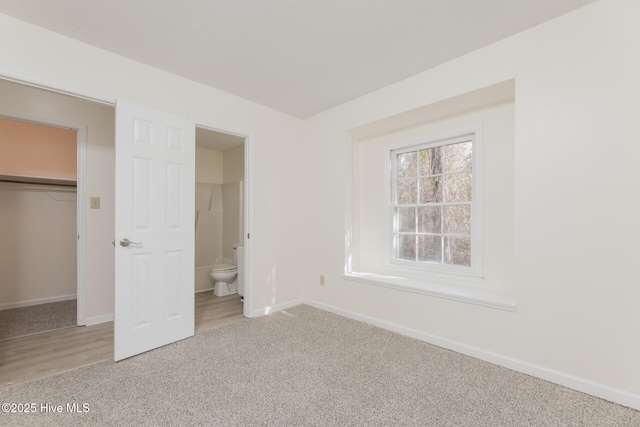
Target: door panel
[{"x": 155, "y": 166}]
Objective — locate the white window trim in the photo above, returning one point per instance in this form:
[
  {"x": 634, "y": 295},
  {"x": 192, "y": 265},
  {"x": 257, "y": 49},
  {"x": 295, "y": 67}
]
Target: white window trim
[
  {"x": 456, "y": 292},
  {"x": 468, "y": 274}
]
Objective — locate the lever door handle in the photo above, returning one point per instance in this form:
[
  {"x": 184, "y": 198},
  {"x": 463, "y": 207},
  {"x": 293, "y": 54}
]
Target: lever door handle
[{"x": 126, "y": 242}]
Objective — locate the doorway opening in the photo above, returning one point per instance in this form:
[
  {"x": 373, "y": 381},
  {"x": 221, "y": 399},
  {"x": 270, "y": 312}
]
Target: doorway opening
[
  {"x": 42, "y": 188},
  {"x": 219, "y": 225}
]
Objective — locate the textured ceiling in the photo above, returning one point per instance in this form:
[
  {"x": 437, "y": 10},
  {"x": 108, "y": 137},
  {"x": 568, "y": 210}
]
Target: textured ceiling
[{"x": 297, "y": 56}]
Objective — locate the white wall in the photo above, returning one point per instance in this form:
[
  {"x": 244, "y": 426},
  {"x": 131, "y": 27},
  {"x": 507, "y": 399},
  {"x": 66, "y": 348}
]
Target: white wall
[
  {"x": 209, "y": 166},
  {"x": 32, "y": 51},
  {"x": 37, "y": 244},
  {"x": 575, "y": 222}
]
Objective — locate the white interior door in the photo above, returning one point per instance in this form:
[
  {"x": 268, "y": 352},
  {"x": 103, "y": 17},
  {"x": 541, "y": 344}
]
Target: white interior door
[{"x": 154, "y": 289}]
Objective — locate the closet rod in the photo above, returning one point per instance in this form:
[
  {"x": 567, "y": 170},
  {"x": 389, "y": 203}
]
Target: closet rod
[{"x": 39, "y": 181}]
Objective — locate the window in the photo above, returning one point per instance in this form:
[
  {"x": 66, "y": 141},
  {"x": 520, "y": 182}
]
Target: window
[
  {"x": 434, "y": 205},
  {"x": 411, "y": 150}
]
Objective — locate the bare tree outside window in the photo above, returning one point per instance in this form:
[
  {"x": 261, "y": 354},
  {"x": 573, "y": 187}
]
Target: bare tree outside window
[{"x": 433, "y": 203}]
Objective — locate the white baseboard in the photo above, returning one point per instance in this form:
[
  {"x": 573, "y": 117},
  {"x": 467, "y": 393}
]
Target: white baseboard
[
  {"x": 96, "y": 320},
  {"x": 29, "y": 303},
  {"x": 205, "y": 290},
  {"x": 278, "y": 307},
  {"x": 567, "y": 380}
]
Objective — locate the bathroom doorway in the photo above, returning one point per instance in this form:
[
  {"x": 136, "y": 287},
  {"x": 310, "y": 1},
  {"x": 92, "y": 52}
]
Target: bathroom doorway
[{"x": 220, "y": 222}]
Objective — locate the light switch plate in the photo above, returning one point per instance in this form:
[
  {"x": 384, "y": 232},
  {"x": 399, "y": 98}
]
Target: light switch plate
[{"x": 94, "y": 203}]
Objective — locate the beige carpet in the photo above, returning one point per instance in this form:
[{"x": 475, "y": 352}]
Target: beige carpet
[
  {"x": 19, "y": 322},
  {"x": 307, "y": 367}
]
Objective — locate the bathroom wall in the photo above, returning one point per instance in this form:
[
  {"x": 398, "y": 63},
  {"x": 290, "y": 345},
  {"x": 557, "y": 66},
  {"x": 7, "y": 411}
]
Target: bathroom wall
[
  {"x": 208, "y": 232},
  {"x": 232, "y": 217},
  {"x": 233, "y": 165},
  {"x": 233, "y": 199},
  {"x": 209, "y": 166}
]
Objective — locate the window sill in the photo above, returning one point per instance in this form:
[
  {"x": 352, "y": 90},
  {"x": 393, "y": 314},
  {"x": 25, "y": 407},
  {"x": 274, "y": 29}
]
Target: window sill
[{"x": 471, "y": 295}]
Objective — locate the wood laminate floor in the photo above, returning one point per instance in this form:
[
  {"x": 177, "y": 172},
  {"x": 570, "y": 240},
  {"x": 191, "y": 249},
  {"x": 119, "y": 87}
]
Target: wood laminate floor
[{"x": 29, "y": 358}]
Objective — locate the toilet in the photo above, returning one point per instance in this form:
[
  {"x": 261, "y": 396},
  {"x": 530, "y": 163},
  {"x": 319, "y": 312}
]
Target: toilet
[
  {"x": 226, "y": 278},
  {"x": 223, "y": 276}
]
